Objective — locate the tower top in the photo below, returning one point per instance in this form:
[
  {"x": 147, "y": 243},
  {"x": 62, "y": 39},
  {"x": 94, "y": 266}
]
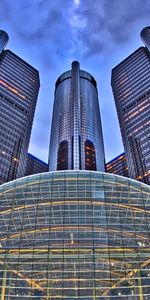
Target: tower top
[
  {"x": 75, "y": 63},
  {"x": 145, "y": 36},
  {"x": 3, "y": 40}
]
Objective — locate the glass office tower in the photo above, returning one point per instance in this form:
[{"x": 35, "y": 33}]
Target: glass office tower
[
  {"x": 19, "y": 85},
  {"x": 118, "y": 166},
  {"x": 145, "y": 36},
  {"x": 35, "y": 165},
  {"x": 3, "y": 40},
  {"x": 74, "y": 235},
  {"x": 131, "y": 89},
  {"x": 76, "y": 134}
]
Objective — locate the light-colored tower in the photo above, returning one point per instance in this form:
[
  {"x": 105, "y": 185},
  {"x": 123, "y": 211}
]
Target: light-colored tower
[
  {"x": 145, "y": 36},
  {"x": 3, "y": 40},
  {"x": 76, "y": 134}
]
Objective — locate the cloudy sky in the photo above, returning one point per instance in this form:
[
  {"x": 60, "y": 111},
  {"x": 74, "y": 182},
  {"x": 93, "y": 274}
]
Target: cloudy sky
[{"x": 49, "y": 34}]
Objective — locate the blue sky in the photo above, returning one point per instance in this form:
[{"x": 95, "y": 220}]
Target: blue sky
[{"x": 50, "y": 34}]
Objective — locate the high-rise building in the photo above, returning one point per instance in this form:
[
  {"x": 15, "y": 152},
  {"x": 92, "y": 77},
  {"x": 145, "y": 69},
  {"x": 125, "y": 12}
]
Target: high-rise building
[
  {"x": 19, "y": 85},
  {"x": 3, "y": 40},
  {"x": 35, "y": 165},
  {"x": 74, "y": 235},
  {"x": 118, "y": 166},
  {"x": 145, "y": 36},
  {"x": 76, "y": 134},
  {"x": 131, "y": 89}
]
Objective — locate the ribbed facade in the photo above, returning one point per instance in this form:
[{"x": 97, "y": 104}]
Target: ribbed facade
[
  {"x": 35, "y": 165},
  {"x": 131, "y": 89},
  {"x": 118, "y": 166},
  {"x": 145, "y": 36},
  {"x": 19, "y": 85},
  {"x": 76, "y": 134},
  {"x": 3, "y": 40},
  {"x": 74, "y": 235}
]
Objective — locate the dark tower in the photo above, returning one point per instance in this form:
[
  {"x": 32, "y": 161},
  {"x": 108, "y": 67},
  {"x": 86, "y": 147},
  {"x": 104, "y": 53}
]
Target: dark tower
[{"x": 76, "y": 134}]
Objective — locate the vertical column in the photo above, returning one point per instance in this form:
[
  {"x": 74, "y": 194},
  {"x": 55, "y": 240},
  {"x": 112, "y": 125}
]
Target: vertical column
[
  {"x": 4, "y": 280},
  {"x": 76, "y": 115}
]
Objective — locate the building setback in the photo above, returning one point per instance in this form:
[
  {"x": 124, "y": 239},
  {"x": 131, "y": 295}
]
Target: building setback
[
  {"x": 76, "y": 134},
  {"x": 35, "y": 165},
  {"x": 19, "y": 86},
  {"x": 131, "y": 89},
  {"x": 118, "y": 165}
]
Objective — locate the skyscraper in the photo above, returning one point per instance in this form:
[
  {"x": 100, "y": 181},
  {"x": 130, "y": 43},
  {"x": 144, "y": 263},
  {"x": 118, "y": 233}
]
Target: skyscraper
[
  {"x": 131, "y": 89},
  {"x": 118, "y": 165},
  {"x": 19, "y": 85},
  {"x": 145, "y": 36},
  {"x": 35, "y": 165},
  {"x": 76, "y": 134},
  {"x": 3, "y": 40}
]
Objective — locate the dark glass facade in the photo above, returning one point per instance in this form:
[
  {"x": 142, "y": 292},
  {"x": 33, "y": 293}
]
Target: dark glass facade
[
  {"x": 3, "y": 40},
  {"x": 118, "y": 166},
  {"x": 131, "y": 89},
  {"x": 74, "y": 235},
  {"x": 35, "y": 165},
  {"x": 76, "y": 134},
  {"x": 19, "y": 85},
  {"x": 145, "y": 36}
]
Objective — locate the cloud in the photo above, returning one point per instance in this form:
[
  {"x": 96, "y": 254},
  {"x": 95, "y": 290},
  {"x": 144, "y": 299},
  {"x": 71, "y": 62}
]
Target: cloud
[
  {"x": 77, "y": 2},
  {"x": 59, "y": 30},
  {"x": 110, "y": 23},
  {"x": 40, "y": 24}
]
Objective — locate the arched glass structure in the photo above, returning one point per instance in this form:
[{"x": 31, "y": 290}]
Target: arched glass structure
[{"x": 74, "y": 235}]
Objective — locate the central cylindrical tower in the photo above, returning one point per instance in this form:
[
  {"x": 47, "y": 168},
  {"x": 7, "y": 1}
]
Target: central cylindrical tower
[{"x": 76, "y": 135}]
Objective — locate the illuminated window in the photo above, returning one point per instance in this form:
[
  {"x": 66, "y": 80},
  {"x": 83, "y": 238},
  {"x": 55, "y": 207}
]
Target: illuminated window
[
  {"x": 90, "y": 156},
  {"x": 62, "y": 158}
]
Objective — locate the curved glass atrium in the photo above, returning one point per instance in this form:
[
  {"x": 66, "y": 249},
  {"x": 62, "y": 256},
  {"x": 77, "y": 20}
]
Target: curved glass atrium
[{"x": 74, "y": 235}]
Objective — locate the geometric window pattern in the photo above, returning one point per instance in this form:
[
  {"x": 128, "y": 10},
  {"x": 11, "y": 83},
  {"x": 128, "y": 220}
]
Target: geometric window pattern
[
  {"x": 131, "y": 89},
  {"x": 74, "y": 235}
]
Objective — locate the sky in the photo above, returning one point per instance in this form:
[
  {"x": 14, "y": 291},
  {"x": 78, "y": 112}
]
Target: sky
[{"x": 50, "y": 34}]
